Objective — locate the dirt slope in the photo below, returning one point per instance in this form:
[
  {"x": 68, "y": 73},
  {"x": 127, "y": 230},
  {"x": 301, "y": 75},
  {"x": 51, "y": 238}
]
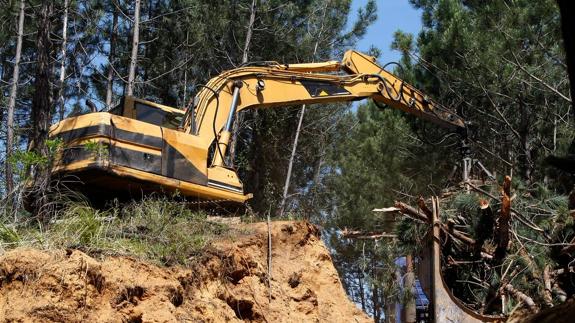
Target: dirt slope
[{"x": 227, "y": 283}]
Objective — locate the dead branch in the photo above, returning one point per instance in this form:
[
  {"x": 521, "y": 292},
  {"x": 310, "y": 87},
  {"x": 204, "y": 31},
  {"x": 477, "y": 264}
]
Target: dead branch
[
  {"x": 458, "y": 234},
  {"x": 547, "y": 296},
  {"x": 559, "y": 293},
  {"x": 423, "y": 207},
  {"x": 522, "y": 297},
  {"x": 551, "y": 88},
  {"x": 569, "y": 248},
  {"x": 411, "y": 212},
  {"x": 366, "y": 235},
  {"x": 562, "y": 271},
  {"x": 419, "y": 216}
]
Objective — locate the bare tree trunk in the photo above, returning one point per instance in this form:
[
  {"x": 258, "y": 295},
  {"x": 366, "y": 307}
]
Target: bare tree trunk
[
  {"x": 111, "y": 59},
  {"x": 361, "y": 290},
  {"x": 185, "y": 87},
  {"x": 409, "y": 287},
  {"x": 249, "y": 32},
  {"x": 568, "y": 30},
  {"x": 134, "y": 55},
  {"x": 12, "y": 101},
  {"x": 41, "y": 112},
  {"x": 245, "y": 57},
  {"x": 290, "y": 165},
  {"x": 63, "y": 62},
  {"x": 503, "y": 226},
  {"x": 375, "y": 294}
]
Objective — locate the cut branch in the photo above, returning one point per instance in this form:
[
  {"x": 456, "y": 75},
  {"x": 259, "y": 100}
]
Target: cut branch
[
  {"x": 366, "y": 235},
  {"x": 547, "y": 296},
  {"x": 411, "y": 212},
  {"x": 522, "y": 297},
  {"x": 502, "y": 231},
  {"x": 515, "y": 213},
  {"x": 415, "y": 214},
  {"x": 484, "y": 228},
  {"x": 423, "y": 207}
]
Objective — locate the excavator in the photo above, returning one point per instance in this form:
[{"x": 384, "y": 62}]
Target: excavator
[{"x": 140, "y": 147}]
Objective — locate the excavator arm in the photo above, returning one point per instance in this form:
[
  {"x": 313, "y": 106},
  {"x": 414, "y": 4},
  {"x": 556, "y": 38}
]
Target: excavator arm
[{"x": 356, "y": 77}]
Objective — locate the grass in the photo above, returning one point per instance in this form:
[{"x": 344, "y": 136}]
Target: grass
[{"x": 158, "y": 229}]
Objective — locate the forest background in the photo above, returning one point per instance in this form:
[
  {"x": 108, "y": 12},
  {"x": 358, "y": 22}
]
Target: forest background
[{"x": 510, "y": 83}]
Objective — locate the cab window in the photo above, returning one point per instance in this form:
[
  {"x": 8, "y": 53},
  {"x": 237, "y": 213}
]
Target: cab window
[
  {"x": 118, "y": 110},
  {"x": 157, "y": 116}
]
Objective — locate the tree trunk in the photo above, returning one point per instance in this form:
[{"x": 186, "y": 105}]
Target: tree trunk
[
  {"x": 566, "y": 8},
  {"x": 502, "y": 237},
  {"x": 295, "y": 141},
  {"x": 249, "y": 33},
  {"x": 61, "y": 102},
  {"x": 111, "y": 59},
  {"x": 134, "y": 55},
  {"x": 12, "y": 101},
  {"x": 525, "y": 136},
  {"x": 291, "y": 159},
  {"x": 317, "y": 175},
  {"x": 245, "y": 56},
  {"x": 361, "y": 290},
  {"x": 41, "y": 112},
  {"x": 185, "y": 87},
  {"x": 409, "y": 287},
  {"x": 375, "y": 297}
]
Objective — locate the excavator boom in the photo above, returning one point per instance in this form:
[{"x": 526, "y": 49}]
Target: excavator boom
[{"x": 142, "y": 146}]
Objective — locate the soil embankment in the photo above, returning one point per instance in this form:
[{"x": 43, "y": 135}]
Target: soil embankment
[{"x": 228, "y": 282}]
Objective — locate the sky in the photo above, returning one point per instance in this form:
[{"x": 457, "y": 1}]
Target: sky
[{"x": 391, "y": 16}]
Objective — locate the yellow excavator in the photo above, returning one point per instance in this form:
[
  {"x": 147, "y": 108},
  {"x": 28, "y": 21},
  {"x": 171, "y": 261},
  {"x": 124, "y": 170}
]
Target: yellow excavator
[{"x": 140, "y": 146}]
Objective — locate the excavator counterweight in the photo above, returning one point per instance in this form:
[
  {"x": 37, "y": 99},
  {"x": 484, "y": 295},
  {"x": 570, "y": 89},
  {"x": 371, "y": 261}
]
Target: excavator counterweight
[{"x": 141, "y": 146}]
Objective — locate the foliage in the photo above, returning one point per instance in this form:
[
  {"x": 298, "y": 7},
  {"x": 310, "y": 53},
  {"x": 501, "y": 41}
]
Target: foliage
[
  {"x": 474, "y": 279},
  {"x": 369, "y": 161},
  {"x": 368, "y": 164},
  {"x": 502, "y": 66},
  {"x": 159, "y": 229}
]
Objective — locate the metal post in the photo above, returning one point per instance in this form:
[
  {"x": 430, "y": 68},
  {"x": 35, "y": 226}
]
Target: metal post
[
  {"x": 233, "y": 106},
  {"x": 224, "y": 139},
  {"x": 466, "y": 168}
]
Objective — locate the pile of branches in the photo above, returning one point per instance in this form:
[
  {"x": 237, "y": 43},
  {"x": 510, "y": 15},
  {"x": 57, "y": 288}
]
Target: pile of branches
[{"x": 502, "y": 248}]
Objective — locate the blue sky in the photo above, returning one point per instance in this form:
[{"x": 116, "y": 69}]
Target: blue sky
[{"x": 391, "y": 16}]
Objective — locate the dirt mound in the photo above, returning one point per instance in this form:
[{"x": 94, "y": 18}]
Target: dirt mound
[{"x": 227, "y": 283}]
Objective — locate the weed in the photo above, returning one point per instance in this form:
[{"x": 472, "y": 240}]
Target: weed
[
  {"x": 159, "y": 229},
  {"x": 97, "y": 148}
]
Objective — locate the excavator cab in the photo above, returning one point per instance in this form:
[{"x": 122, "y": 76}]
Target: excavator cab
[{"x": 149, "y": 112}]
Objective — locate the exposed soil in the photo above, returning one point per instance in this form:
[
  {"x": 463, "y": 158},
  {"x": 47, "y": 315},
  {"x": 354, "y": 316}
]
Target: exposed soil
[{"x": 228, "y": 282}]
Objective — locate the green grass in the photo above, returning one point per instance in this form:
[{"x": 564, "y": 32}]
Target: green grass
[{"x": 159, "y": 229}]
